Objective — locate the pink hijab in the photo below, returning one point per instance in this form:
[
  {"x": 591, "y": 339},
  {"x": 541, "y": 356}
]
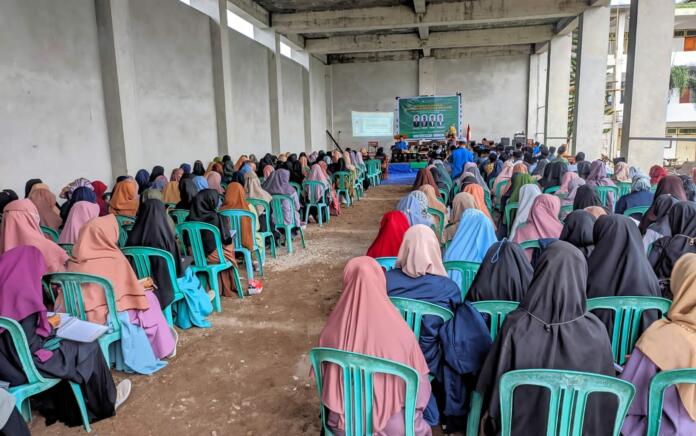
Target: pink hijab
[
  {"x": 80, "y": 213},
  {"x": 20, "y": 226},
  {"x": 543, "y": 220},
  {"x": 567, "y": 178},
  {"x": 420, "y": 253},
  {"x": 267, "y": 170},
  {"x": 505, "y": 174},
  {"x": 214, "y": 181},
  {"x": 365, "y": 321}
]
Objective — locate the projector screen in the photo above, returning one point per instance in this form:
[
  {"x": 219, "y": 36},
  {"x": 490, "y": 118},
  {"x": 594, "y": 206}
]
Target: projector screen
[{"x": 373, "y": 123}]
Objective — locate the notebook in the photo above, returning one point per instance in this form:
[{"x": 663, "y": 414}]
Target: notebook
[{"x": 75, "y": 329}]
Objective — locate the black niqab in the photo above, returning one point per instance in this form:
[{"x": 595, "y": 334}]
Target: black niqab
[
  {"x": 204, "y": 209},
  {"x": 551, "y": 329},
  {"x": 577, "y": 230},
  {"x": 586, "y": 196},
  {"x": 30, "y": 183},
  {"x": 659, "y": 209},
  {"x": 198, "y": 168},
  {"x": 504, "y": 274},
  {"x": 187, "y": 191},
  {"x": 553, "y": 174},
  {"x": 583, "y": 169},
  {"x": 666, "y": 251}
]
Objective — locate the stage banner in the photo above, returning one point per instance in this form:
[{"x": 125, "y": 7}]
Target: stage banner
[{"x": 428, "y": 117}]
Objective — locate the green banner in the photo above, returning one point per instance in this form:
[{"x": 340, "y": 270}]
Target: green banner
[{"x": 428, "y": 117}]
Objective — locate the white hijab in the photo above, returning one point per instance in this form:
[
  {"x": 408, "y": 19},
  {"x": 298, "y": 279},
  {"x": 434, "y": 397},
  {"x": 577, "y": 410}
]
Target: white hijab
[{"x": 527, "y": 195}]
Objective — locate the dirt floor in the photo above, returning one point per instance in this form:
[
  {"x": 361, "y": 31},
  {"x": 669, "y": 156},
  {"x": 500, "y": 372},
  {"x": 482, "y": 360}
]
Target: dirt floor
[{"x": 249, "y": 374}]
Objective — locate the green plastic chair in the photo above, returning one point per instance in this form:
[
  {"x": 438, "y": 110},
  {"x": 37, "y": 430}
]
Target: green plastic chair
[
  {"x": 374, "y": 170},
  {"x": 444, "y": 196},
  {"x": 636, "y": 210},
  {"x": 170, "y": 206},
  {"x": 36, "y": 383},
  {"x": 358, "y": 372},
  {"x": 268, "y": 239},
  {"x": 498, "y": 190},
  {"x": 141, "y": 259},
  {"x": 297, "y": 188},
  {"x": 497, "y": 310},
  {"x": 125, "y": 224},
  {"x": 440, "y": 226},
  {"x": 624, "y": 188},
  {"x": 310, "y": 187},
  {"x": 467, "y": 271},
  {"x": 208, "y": 272},
  {"x": 551, "y": 189},
  {"x": 279, "y": 219},
  {"x": 565, "y": 210},
  {"x": 628, "y": 313},
  {"x": 342, "y": 180},
  {"x": 509, "y": 207},
  {"x": 489, "y": 202},
  {"x": 603, "y": 193},
  {"x": 653, "y": 188},
  {"x": 530, "y": 245},
  {"x": 569, "y": 391},
  {"x": 358, "y": 184},
  {"x": 71, "y": 288},
  {"x": 67, "y": 247},
  {"x": 491, "y": 182},
  {"x": 179, "y": 215},
  {"x": 659, "y": 383},
  {"x": 50, "y": 233},
  {"x": 388, "y": 263},
  {"x": 414, "y": 310},
  {"x": 236, "y": 217}
]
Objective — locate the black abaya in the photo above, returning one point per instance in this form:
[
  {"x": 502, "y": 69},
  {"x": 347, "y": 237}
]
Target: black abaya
[
  {"x": 187, "y": 191},
  {"x": 553, "y": 174},
  {"x": 504, "y": 274},
  {"x": 577, "y": 230},
  {"x": 204, "y": 209},
  {"x": 586, "y": 196}
]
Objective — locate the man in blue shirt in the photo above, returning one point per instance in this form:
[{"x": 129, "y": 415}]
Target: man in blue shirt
[{"x": 460, "y": 157}]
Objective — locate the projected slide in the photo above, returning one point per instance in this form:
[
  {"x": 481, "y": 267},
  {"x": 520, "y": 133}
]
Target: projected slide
[{"x": 373, "y": 123}]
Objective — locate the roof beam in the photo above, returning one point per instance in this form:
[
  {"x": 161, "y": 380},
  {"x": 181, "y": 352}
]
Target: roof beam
[
  {"x": 250, "y": 11},
  {"x": 456, "y": 39},
  {"x": 446, "y": 53},
  {"x": 419, "y": 6},
  {"x": 457, "y": 13}
]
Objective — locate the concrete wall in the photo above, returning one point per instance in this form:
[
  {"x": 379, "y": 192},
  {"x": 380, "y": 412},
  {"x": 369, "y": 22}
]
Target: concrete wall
[
  {"x": 292, "y": 137},
  {"x": 174, "y": 83},
  {"x": 51, "y": 102},
  {"x": 251, "y": 130},
  {"x": 317, "y": 89}
]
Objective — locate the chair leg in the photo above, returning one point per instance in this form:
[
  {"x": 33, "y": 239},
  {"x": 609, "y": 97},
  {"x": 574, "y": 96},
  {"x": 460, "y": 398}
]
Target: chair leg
[
  {"x": 77, "y": 391},
  {"x": 306, "y": 213},
  {"x": 288, "y": 238},
  {"x": 320, "y": 212},
  {"x": 302, "y": 237},
  {"x": 168, "y": 315},
  {"x": 249, "y": 265},
  {"x": 273, "y": 246},
  {"x": 215, "y": 287},
  {"x": 237, "y": 283},
  {"x": 24, "y": 409},
  {"x": 105, "y": 352},
  {"x": 262, "y": 257}
]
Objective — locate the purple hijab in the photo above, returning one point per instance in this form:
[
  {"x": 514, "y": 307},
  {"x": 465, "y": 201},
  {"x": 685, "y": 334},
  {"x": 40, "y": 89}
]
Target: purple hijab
[
  {"x": 598, "y": 175},
  {"x": 278, "y": 183},
  {"x": 21, "y": 293}
]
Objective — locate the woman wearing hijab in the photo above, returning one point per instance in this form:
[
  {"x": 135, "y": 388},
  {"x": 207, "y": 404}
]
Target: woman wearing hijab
[
  {"x": 253, "y": 189},
  {"x": 476, "y": 191},
  {"x": 504, "y": 274},
  {"x": 204, "y": 209},
  {"x": 45, "y": 202},
  {"x": 434, "y": 203},
  {"x": 621, "y": 172},
  {"x": 80, "y": 194},
  {"x": 569, "y": 198},
  {"x": 99, "y": 191},
  {"x": 198, "y": 168},
  {"x": 391, "y": 232},
  {"x": 142, "y": 177},
  {"x": 187, "y": 192},
  {"x": 29, "y": 185},
  {"x": 21, "y": 299},
  {"x": 124, "y": 199},
  {"x": 671, "y": 185},
  {"x": 157, "y": 171},
  {"x": 235, "y": 199},
  {"x": 201, "y": 183},
  {"x": 171, "y": 193},
  {"x": 415, "y": 208},
  {"x": 565, "y": 183},
  {"x": 80, "y": 213},
  {"x": 474, "y": 236},
  {"x": 20, "y": 226},
  {"x": 334, "y": 203},
  {"x": 504, "y": 176},
  {"x": 553, "y": 174},
  {"x": 460, "y": 203},
  {"x": 551, "y": 329},
  {"x": 586, "y": 196},
  {"x": 424, "y": 177},
  {"x": 618, "y": 266},
  {"x": 668, "y": 344},
  {"x": 598, "y": 177},
  {"x": 689, "y": 187},
  {"x": 316, "y": 174},
  {"x": 640, "y": 195},
  {"x": 6, "y": 197},
  {"x": 542, "y": 222},
  {"x": 582, "y": 166},
  {"x": 577, "y": 230},
  {"x": 472, "y": 168},
  {"x": 214, "y": 182},
  {"x": 656, "y": 174},
  {"x": 528, "y": 193},
  {"x": 278, "y": 183},
  {"x": 365, "y": 307}
]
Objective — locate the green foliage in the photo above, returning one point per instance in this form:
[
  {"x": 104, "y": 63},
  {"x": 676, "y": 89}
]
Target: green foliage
[{"x": 680, "y": 78}]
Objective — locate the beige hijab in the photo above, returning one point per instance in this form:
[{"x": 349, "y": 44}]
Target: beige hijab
[
  {"x": 671, "y": 342},
  {"x": 420, "y": 253},
  {"x": 461, "y": 202},
  {"x": 253, "y": 189}
]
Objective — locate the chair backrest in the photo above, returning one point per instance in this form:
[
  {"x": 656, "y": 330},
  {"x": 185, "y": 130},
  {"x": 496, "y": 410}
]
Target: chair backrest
[
  {"x": 636, "y": 210},
  {"x": 531, "y": 244},
  {"x": 444, "y": 195},
  {"x": 498, "y": 190},
  {"x": 142, "y": 261},
  {"x": 413, "y": 311},
  {"x": 343, "y": 178},
  {"x": 298, "y": 188},
  {"x": 603, "y": 193},
  {"x": 659, "y": 383},
  {"x": 67, "y": 247},
  {"x": 358, "y": 372},
  {"x": 311, "y": 188},
  {"x": 565, "y": 210},
  {"x": 497, "y": 310},
  {"x": 569, "y": 391},
  {"x": 194, "y": 231},
  {"x": 50, "y": 233},
  {"x": 71, "y": 287},
  {"x": 468, "y": 272},
  {"x": 628, "y": 314},
  {"x": 256, "y": 202},
  {"x": 624, "y": 188},
  {"x": 125, "y": 220},
  {"x": 235, "y": 217},
  {"x": 551, "y": 189},
  {"x": 277, "y": 206},
  {"x": 508, "y": 212},
  {"x": 19, "y": 340},
  {"x": 179, "y": 215},
  {"x": 439, "y": 227},
  {"x": 388, "y": 263}
]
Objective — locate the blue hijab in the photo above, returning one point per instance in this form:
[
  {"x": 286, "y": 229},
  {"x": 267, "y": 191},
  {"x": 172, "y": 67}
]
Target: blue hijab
[
  {"x": 200, "y": 182},
  {"x": 414, "y": 210},
  {"x": 186, "y": 167},
  {"x": 475, "y": 235},
  {"x": 143, "y": 179}
]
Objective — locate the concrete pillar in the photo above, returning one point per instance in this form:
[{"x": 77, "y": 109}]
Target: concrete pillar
[
  {"x": 651, "y": 27},
  {"x": 619, "y": 62},
  {"x": 329, "y": 106},
  {"x": 307, "y": 106},
  {"x": 426, "y": 76},
  {"x": 118, "y": 82},
  {"x": 590, "y": 80},
  {"x": 222, "y": 79},
  {"x": 275, "y": 93},
  {"x": 532, "y": 95},
  {"x": 557, "y": 90}
]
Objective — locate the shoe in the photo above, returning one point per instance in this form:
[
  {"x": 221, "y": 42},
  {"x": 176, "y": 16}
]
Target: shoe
[
  {"x": 211, "y": 295},
  {"x": 176, "y": 342},
  {"x": 123, "y": 391}
]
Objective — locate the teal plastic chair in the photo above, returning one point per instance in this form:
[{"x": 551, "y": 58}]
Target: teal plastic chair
[
  {"x": 438, "y": 227},
  {"x": 342, "y": 180},
  {"x": 565, "y": 210},
  {"x": 530, "y": 245},
  {"x": 358, "y": 184},
  {"x": 414, "y": 310},
  {"x": 467, "y": 271},
  {"x": 315, "y": 201},
  {"x": 509, "y": 207},
  {"x": 498, "y": 190},
  {"x": 50, "y": 233},
  {"x": 636, "y": 210},
  {"x": 125, "y": 224},
  {"x": 569, "y": 391},
  {"x": 358, "y": 372},
  {"x": 279, "y": 219},
  {"x": 71, "y": 288},
  {"x": 444, "y": 196},
  {"x": 141, "y": 259},
  {"x": 179, "y": 215},
  {"x": 628, "y": 313},
  {"x": 388, "y": 263},
  {"x": 659, "y": 383},
  {"x": 268, "y": 239},
  {"x": 489, "y": 202},
  {"x": 36, "y": 383},
  {"x": 297, "y": 188},
  {"x": 603, "y": 193},
  {"x": 67, "y": 247},
  {"x": 207, "y": 271},
  {"x": 497, "y": 310},
  {"x": 374, "y": 170},
  {"x": 624, "y": 188},
  {"x": 551, "y": 189},
  {"x": 236, "y": 217},
  {"x": 170, "y": 206}
]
